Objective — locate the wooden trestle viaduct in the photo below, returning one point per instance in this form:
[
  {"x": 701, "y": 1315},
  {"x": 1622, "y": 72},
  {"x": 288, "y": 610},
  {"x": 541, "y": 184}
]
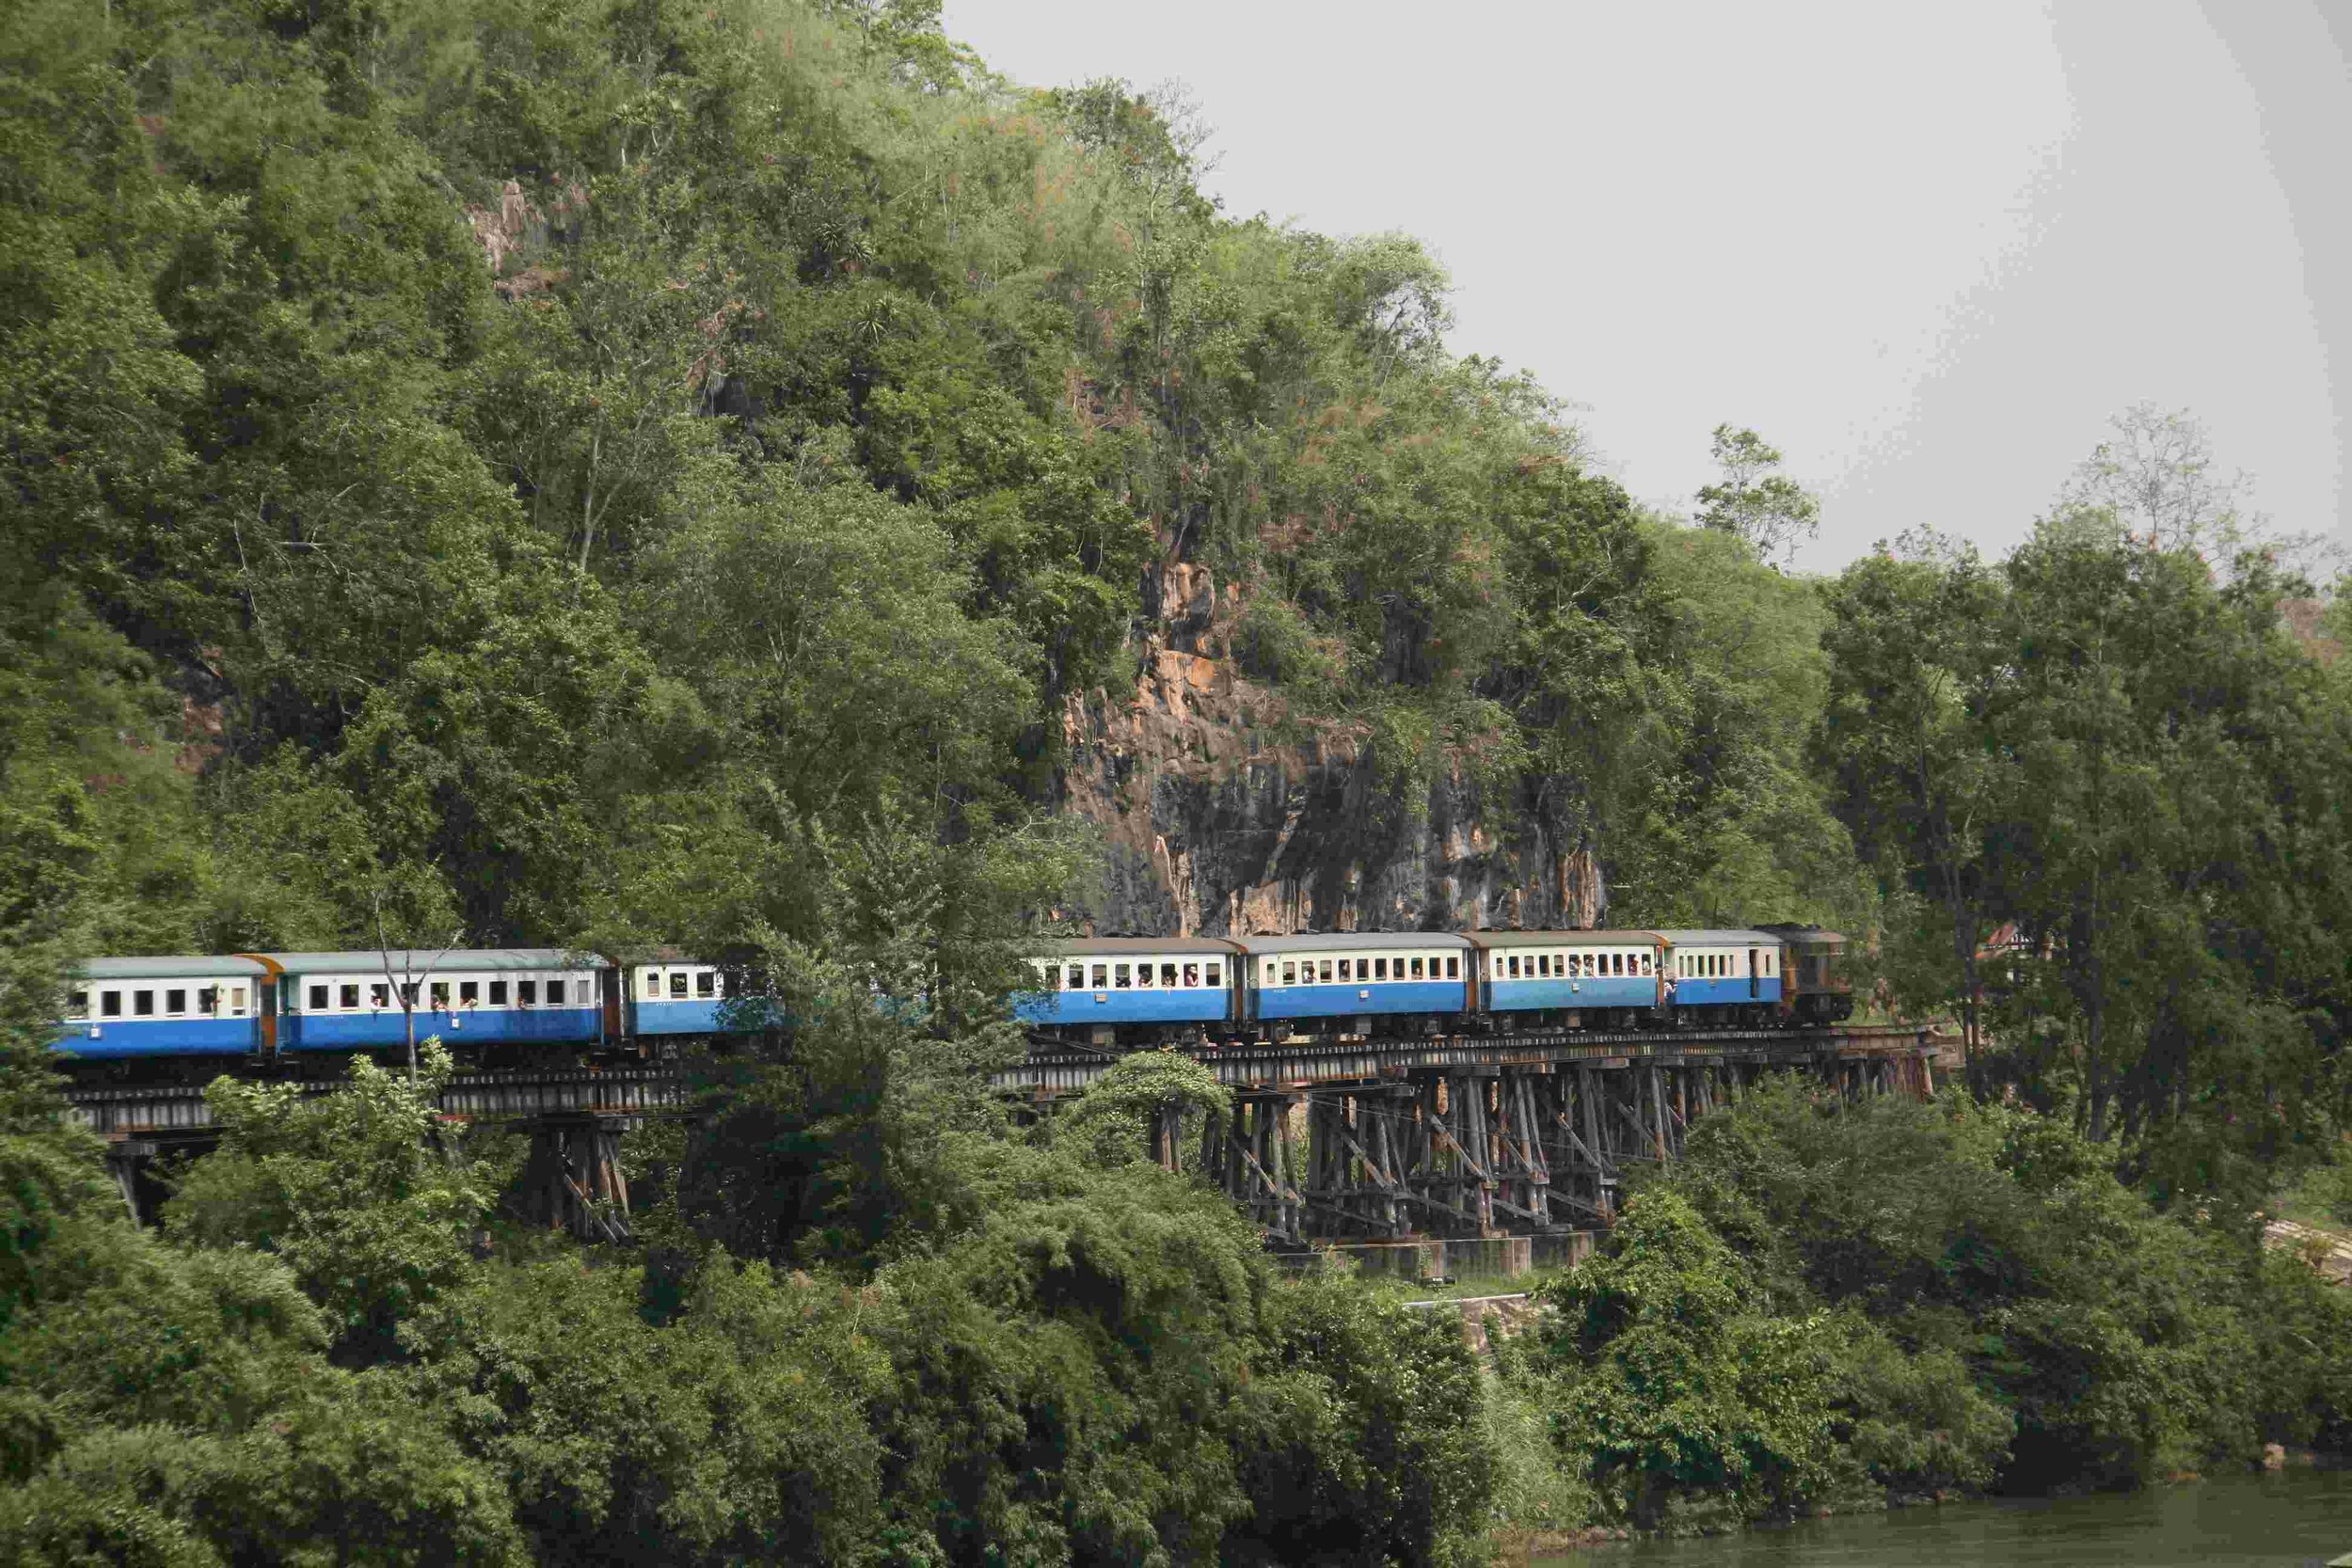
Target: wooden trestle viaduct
[{"x": 1363, "y": 1140}]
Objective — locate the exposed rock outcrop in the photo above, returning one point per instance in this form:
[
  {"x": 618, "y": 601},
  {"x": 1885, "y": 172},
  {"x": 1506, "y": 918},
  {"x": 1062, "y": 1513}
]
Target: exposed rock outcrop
[{"x": 1227, "y": 815}]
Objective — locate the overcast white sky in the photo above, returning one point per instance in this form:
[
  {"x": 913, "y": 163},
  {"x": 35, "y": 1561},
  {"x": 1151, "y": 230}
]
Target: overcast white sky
[{"x": 1926, "y": 251}]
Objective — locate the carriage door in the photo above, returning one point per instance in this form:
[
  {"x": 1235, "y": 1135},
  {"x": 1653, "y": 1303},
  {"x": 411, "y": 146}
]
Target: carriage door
[
  {"x": 1756, "y": 963},
  {"x": 609, "y": 985}
]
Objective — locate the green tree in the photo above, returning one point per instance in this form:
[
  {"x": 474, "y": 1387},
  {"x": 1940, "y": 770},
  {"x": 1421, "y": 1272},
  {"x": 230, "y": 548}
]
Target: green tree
[
  {"x": 1912, "y": 651},
  {"x": 1770, "y": 511},
  {"x": 362, "y": 1192}
]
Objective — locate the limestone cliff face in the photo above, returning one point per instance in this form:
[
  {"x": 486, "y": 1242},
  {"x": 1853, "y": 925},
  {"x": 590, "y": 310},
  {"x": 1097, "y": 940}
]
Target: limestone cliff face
[{"x": 1223, "y": 818}]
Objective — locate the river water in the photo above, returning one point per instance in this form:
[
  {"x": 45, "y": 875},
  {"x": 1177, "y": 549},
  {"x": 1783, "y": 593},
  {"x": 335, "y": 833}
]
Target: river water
[{"x": 2298, "y": 1517}]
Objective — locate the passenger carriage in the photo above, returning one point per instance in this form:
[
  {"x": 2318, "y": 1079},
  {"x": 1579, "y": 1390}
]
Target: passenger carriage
[
  {"x": 1570, "y": 979},
  {"x": 670, "y": 994},
  {"x": 1108, "y": 990},
  {"x": 1353, "y": 982},
  {"x": 1723, "y": 977},
  {"x": 347, "y": 1002},
  {"x": 191, "y": 1006}
]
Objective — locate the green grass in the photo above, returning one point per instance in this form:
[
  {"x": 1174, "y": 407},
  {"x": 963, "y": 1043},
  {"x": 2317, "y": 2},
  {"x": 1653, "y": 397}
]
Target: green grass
[{"x": 1466, "y": 1287}]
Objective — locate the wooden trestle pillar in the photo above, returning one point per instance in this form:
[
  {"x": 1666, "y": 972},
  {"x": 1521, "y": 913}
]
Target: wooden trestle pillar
[
  {"x": 1463, "y": 1151},
  {"x": 573, "y": 1178},
  {"x": 1249, "y": 1155},
  {"x": 1469, "y": 1147}
]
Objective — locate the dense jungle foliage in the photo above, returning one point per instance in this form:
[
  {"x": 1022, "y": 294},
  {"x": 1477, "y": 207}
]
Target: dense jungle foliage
[
  {"x": 1826, "y": 1304},
  {"x": 608, "y": 472}
]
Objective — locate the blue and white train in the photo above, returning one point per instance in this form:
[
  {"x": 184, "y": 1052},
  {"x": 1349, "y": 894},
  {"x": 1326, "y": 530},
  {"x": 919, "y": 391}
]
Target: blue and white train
[
  {"x": 289, "y": 1004},
  {"x": 1115, "y": 990},
  {"x": 1101, "y": 992}
]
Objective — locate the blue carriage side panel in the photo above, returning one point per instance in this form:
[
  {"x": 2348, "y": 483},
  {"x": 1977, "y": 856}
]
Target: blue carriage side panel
[
  {"x": 1523, "y": 995},
  {"x": 1694, "y": 991},
  {"x": 1153, "y": 1004},
  {"x": 454, "y": 1025},
  {"x": 115, "y": 1039},
  {"x": 699, "y": 1016},
  {"x": 1370, "y": 997}
]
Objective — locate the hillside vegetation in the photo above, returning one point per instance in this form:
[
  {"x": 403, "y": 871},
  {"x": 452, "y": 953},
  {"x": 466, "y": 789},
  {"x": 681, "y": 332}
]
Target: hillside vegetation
[{"x": 622, "y": 473}]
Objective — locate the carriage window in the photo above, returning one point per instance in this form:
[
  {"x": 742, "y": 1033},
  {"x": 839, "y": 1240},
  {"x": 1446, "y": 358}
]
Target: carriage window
[
  {"x": 1645, "y": 964},
  {"x": 1290, "y": 974},
  {"x": 470, "y": 992},
  {"x": 143, "y": 1003},
  {"x": 678, "y": 983},
  {"x": 1326, "y": 970},
  {"x": 526, "y": 992},
  {"x": 556, "y": 994},
  {"x": 498, "y": 993},
  {"x": 1543, "y": 966},
  {"x": 236, "y": 1001},
  {"x": 1192, "y": 975},
  {"x": 1122, "y": 976},
  {"x": 379, "y": 995},
  {"x": 1102, "y": 976},
  {"x": 1453, "y": 966},
  {"x": 1270, "y": 972},
  {"x": 707, "y": 983},
  {"x": 1075, "y": 977},
  {"x": 1514, "y": 963},
  {"x": 1379, "y": 969},
  {"x": 1415, "y": 963},
  {"x": 440, "y": 994},
  {"x": 318, "y": 999},
  {"x": 175, "y": 1002},
  {"x": 350, "y": 996},
  {"x": 110, "y": 1004},
  {"x": 1216, "y": 976},
  {"x": 77, "y": 1004},
  {"x": 1143, "y": 975}
]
